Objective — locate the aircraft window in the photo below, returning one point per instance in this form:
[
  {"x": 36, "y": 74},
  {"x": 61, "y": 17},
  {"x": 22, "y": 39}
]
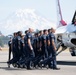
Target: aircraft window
[
  {"x": 74, "y": 19},
  {"x": 75, "y": 31}
]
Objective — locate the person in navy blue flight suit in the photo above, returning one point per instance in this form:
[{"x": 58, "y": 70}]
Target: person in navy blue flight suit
[
  {"x": 29, "y": 47},
  {"x": 17, "y": 48},
  {"x": 53, "y": 48},
  {"x": 44, "y": 44},
  {"x": 25, "y": 42},
  {"x": 10, "y": 49}
]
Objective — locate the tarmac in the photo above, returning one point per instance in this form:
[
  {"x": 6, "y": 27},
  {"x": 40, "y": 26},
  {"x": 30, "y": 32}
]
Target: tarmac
[{"x": 65, "y": 61}]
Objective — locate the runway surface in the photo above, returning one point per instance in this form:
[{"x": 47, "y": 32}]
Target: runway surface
[{"x": 65, "y": 61}]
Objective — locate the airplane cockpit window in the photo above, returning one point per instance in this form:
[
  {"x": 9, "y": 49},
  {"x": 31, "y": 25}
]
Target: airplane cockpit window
[
  {"x": 74, "y": 19},
  {"x": 74, "y": 31}
]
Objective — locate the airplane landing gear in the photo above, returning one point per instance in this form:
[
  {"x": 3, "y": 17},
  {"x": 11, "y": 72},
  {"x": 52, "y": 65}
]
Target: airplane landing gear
[{"x": 73, "y": 51}]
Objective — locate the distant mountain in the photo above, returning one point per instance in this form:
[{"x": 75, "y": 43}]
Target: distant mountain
[{"x": 22, "y": 19}]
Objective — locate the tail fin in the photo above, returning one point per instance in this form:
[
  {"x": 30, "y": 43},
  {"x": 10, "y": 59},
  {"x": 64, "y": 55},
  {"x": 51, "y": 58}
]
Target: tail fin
[{"x": 61, "y": 22}]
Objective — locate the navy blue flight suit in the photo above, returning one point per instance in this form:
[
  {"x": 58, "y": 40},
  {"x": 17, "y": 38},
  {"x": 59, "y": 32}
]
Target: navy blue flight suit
[
  {"x": 27, "y": 53},
  {"x": 25, "y": 47},
  {"x": 47, "y": 61},
  {"x": 38, "y": 55},
  {"x": 30, "y": 52},
  {"x": 14, "y": 47},
  {"x": 52, "y": 37},
  {"x": 10, "y": 49},
  {"x": 35, "y": 46},
  {"x": 40, "y": 44},
  {"x": 22, "y": 53},
  {"x": 44, "y": 46},
  {"x": 19, "y": 47},
  {"x": 16, "y": 50}
]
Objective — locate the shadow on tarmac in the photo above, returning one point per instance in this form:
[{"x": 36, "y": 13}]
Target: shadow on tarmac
[
  {"x": 68, "y": 63},
  {"x": 13, "y": 69},
  {"x": 19, "y": 69},
  {"x": 3, "y": 62},
  {"x": 6, "y": 68}
]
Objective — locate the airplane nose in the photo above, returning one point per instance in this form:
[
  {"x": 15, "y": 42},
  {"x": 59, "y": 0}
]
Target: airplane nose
[{"x": 73, "y": 41}]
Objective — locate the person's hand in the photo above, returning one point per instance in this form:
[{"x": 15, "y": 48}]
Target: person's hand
[
  {"x": 40, "y": 49},
  {"x": 0, "y": 49},
  {"x": 31, "y": 48},
  {"x": 55, "y": 48},
  {"x": 23, "y": 44}
]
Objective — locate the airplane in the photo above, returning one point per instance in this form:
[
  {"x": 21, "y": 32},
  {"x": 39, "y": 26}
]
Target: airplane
[{"x": 66, "y": 33}]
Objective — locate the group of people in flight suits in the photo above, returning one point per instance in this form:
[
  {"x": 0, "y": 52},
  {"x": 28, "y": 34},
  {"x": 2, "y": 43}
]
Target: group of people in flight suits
[{"x": 33, "y": 50}]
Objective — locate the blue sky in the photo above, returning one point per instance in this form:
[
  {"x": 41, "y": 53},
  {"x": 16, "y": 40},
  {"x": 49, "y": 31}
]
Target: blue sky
[{"x": 46, "y": 8}]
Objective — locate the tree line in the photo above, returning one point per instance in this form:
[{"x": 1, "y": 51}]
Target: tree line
[{"x": 4, "y": 40}]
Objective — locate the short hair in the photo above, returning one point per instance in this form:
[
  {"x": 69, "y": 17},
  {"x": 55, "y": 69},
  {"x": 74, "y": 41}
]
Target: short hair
[
  {"x": 44, "y": 30},
  {"x": 15, "y": 33},
  {"x": 40, "y": 31},
  {"x": 26, "y": 31},
  {"x": 49, "y": 30},
  {"x": 52, "y": 28}
]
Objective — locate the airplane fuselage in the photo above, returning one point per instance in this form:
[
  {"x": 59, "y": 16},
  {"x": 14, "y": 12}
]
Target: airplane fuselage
[{"x": 69, "y": 39}]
